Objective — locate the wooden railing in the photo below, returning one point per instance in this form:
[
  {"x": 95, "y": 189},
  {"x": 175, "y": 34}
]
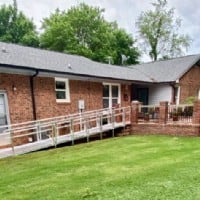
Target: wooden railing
[{"x": 66, "y": 128}]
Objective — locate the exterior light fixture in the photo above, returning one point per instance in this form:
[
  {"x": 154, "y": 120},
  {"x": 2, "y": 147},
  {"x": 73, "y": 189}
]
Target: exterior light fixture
[{"x": 14, "y": 88}]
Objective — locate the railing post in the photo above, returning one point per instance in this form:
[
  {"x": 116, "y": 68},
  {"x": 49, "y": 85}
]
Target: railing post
[
  {"x": 38, "y": 130},
  {"x": 196, "y": 112},
  {"x": 124, "y": 117},
  {"x": 54, "y": 134},
  {"x": 118, "y": 117},
  {"x": 113, "y": 122},
  {"x": 86, "y": 126},
  {"x": 87, "y": 129},
  {"x": 72, "y": 130},
  {"x": 109, "y": 117},
  {"x": 12, "y": 141},
  {"x": 163, "y": 112},
  {"x": 81, "y": 121},
  {"x": 101, "y": 122},
  {"x": 134, "y": 112}
]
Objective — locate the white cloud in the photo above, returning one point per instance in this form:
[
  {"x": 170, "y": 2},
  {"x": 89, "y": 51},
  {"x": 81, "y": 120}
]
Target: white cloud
[{"x": 125, "y": 12}]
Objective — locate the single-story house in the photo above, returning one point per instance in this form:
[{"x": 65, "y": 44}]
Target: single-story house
[
  {"x": 36, "y": 84},
  {"x": 173, "y": 80}
]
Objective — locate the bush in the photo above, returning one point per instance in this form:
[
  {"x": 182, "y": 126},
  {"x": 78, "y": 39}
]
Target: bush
[{"x": 190, "y": 100}]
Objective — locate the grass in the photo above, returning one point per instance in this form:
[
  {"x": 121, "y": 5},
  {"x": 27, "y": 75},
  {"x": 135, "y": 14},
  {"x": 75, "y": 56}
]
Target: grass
[{"x": 135, "y": 167}]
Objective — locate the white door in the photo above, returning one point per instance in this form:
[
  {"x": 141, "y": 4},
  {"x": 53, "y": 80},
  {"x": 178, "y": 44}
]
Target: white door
[{"x": 4, "y": 119}]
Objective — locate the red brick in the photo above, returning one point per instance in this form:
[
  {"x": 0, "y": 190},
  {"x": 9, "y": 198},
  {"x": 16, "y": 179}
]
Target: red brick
[
  {"x": 20, "y": 102},
  {"x": 163, "y": 111},
  {"x": 196, "y": 112},
  {"x": 134, "y": 112},
  {"x": 190, "y": 83},
  {"x": 166, "y": 129}
]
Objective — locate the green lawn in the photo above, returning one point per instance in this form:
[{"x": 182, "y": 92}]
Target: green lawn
[{"x": 135, "y": 167}]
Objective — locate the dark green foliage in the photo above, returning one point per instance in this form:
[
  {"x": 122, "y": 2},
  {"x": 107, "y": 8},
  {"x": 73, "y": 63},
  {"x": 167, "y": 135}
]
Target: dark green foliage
[
  {"x": 83, "y": 30},
  {"x": 15, "y": 27}
]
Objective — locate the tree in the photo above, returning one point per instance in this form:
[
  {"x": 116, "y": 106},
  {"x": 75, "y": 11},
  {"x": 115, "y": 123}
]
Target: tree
[
  {"x": 123, "y": 45},
  {"x": 159, "y": 32},
  {"x": 15, "y": 27},
  {"x": 83, "y": 30}
]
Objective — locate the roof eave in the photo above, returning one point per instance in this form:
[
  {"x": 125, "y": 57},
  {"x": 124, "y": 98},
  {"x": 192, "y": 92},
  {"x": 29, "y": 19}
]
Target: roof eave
[
  {"x": 24, "y": 70},
  {"x": 196, "y": 62}
]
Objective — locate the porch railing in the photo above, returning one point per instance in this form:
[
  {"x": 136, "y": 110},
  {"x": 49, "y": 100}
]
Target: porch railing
[
  {"x": 176, "y": 113},
  {"x": 148, "y": 113},
  {"x": 180, "y": 113}
]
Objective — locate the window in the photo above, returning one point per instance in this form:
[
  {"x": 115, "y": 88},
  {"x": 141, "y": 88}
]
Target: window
[
  {"x": 62, "y": 90},
  {"x": 111, "y": 95}
]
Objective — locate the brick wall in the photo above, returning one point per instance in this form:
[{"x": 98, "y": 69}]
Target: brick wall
[
  {"x": 90, "y": 92},
  {"x": 162, "y": 127},
  {"x": 196, "y": 112},
  {"x": 125, "y": 95},
  {"x": 166, "y": 129},
  {"x": 190, "y": 83},
  {"x": 46, "y": 105},
  {"x": 20, "y": 103}
]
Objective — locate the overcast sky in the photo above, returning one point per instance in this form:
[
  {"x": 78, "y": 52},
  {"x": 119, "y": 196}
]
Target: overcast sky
[{"x": 125, "y": 12}]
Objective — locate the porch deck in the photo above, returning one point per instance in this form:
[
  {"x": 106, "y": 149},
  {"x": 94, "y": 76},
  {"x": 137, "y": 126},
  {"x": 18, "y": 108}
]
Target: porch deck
[{"x": 78, "y": 126}]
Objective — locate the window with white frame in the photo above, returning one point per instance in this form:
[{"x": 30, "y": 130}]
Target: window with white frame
[
  {"x": 62, "y": 90},
  {"x": 111, "y": 95}
]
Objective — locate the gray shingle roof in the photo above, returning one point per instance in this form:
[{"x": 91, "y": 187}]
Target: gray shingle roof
[
  {"x": 49, "y": 60},
  {"x": 168, "y": 70},
  {"x": 32, "y": 58}
]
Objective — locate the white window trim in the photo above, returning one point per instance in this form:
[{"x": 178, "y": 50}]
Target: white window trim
[
  {"x": 110, "y": 92},
  {"x": 67, "y": 90},
  {"x": 5, "y": 139},
  {"x": 6, "y": 106}
]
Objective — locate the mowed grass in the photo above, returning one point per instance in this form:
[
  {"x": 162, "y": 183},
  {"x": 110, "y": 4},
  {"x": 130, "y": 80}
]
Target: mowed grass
[{"x": 134, "y": 167}]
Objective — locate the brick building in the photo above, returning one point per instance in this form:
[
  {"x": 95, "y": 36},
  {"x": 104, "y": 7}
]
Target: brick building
[
  {"x": 173, "y": 80},
  {"x": 36, "y": 84}
]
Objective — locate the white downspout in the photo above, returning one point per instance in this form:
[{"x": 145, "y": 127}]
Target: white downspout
[
  {"x": 178, "y": 92},
  {"x": 178, "y": 96}
]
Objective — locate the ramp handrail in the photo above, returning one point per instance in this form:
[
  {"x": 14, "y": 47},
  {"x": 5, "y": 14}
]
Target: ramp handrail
[{"x": 42, "y": 129}]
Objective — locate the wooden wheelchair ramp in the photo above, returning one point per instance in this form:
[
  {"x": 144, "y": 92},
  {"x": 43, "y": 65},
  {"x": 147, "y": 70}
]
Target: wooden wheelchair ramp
[{"x": 36, "y": 135}]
